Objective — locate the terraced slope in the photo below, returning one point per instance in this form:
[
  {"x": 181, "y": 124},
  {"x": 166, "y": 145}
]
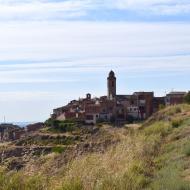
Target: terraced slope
[{"x": 154, "y": 155}]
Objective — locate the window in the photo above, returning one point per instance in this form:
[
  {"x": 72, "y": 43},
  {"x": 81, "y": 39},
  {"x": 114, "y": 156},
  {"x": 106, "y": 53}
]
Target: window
[
  {"x": 112, "y": 83},
  {"x": 142, "y": 102},
  {"x": 89, "y": 117}
]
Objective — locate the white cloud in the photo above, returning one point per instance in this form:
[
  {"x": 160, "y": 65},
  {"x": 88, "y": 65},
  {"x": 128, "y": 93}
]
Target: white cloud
[
  {"x": 160, "y": 7},
  {"x": 32, "y": 10},
  {"x": 66, "y": 76},
  {"x": 63, "y": 60},
  {"x": 59, "y": 52},
  {"x": 65, "y": 41},
  {"x": 79, "y": 9},
  {"x": 57, "y": 49}
]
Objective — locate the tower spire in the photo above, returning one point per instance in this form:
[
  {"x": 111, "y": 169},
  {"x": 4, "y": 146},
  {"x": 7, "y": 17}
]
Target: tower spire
[{"x": 111, "y": 85}]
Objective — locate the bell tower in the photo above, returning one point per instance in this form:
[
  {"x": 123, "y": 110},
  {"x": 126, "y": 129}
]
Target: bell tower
[{"x": 111, "y": 85}]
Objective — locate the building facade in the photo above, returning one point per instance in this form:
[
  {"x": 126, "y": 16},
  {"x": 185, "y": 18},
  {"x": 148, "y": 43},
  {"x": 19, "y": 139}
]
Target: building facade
[
  {"x": 114, "y": 107},
  {"x": 10, "y": 132}
]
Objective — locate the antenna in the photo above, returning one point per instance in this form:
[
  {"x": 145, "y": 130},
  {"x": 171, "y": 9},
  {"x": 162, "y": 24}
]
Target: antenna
[{"x": 4, "y": 119}]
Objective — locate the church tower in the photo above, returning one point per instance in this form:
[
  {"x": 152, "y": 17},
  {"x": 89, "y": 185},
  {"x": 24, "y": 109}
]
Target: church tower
[{"x": 111, "y": 82}]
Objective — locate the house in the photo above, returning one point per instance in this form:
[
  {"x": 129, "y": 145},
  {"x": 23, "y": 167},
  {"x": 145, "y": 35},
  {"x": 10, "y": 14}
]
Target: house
[
  {"x": 92, "y": 113},
  {"x": 175, "y": 98},
  {"x": 10, "y": 132},
  {"x": 115, "y": 107}
]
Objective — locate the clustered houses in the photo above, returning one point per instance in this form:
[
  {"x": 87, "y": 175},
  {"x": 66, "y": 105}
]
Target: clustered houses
[
  {"x": 115, "y": 108},
  {"x": 10, "y": 132}
]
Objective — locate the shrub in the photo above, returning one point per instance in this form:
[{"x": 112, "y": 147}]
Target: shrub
[
  {"x": 173, "y": 110},
  {"x": 152, "y": 145},
  {"x": 58, "y": 149},
  {"x": 178, "y": 110},
  {"x": 138, "y": 171},
  {"x": 169, "y": 178},
  {"x": 187, "y": 149},
  {"x": 126, "y": 165},
  {"x": 100, "y": 121},
  {"x": 176, "y": 122},
  {"x": 48, "y": 122},
  {"x": 62, "y": 126},
  {"x": 74, "y": 184},
  {"x": 127, "y": 181},
  {"x": 161, "y": 107},
  {"x": 19, "y": 181},
  {"x": 100, "y": 125},
  {"x": 161, "y": 128},
  {"x": 187, "y": 98},
  {"x": 71, "y": 127}
]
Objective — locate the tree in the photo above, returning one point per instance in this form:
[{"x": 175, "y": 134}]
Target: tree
[{"x": 187, "y": 98}]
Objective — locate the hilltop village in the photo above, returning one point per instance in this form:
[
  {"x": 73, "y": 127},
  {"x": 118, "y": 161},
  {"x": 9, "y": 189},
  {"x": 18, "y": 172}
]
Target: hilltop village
[{"x": 116, "y": 108}]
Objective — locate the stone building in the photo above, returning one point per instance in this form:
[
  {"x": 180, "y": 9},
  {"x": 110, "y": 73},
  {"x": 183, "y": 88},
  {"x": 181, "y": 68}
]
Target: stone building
[
  {"x": 10, "y": 132},
  {"x": 175, "y": 98},
  {"x": 114, "y": 107}
]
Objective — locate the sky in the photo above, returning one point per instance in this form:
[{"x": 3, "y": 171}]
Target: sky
[{"x": 54, "y": 51}]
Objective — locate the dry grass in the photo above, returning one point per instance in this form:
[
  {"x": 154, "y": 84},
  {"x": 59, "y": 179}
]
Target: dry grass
[
  {"x": 141, "y": 159},
  {"x": 126, "y": 166}
]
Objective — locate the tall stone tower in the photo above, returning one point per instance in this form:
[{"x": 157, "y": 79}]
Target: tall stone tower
[{"x": 111, "y": 82}]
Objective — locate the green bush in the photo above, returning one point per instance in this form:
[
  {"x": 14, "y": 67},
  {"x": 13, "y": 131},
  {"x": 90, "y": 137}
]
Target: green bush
[
  {"x": 61, "y": 126},
  {"x": 19, "y": 181},
  {"x": 173, "y": 110},
  {"x": 169, "y": 178},
  {"x": 176, "y": 122},
  {"x": 178, "y": 110},
  {"x": 58, "y": 149},
  {"x": 187, "y": 149},
  {"x": 136, "y": 177},
  {"x": 161, "y": 107},
  {"x": 187, "y": 98},
  {"x": 48, "y": 122},
  {"x": 100, "y": 121},
  {"x": 160, "y": 127},
  {"x": 74, "y": 184}
]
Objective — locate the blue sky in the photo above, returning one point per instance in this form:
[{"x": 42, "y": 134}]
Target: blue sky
[{"x": 55, "y": 51}]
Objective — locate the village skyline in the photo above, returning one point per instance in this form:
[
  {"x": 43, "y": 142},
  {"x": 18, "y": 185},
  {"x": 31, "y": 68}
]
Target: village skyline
[
  {"x": 116, "y": 108},
  {"x": 56, "y": 51}
]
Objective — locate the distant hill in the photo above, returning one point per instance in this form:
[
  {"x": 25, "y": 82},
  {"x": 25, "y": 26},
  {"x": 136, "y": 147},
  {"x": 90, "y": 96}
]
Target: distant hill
[{"x": 23, "y": 124}]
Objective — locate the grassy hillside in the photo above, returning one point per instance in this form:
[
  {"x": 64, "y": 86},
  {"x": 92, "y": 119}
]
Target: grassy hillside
[{"x": 154, "y": 155}]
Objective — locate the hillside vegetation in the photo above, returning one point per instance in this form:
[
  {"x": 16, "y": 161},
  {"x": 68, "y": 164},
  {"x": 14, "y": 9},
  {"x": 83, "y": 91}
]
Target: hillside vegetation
[{"x": 154, "y": 155}]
